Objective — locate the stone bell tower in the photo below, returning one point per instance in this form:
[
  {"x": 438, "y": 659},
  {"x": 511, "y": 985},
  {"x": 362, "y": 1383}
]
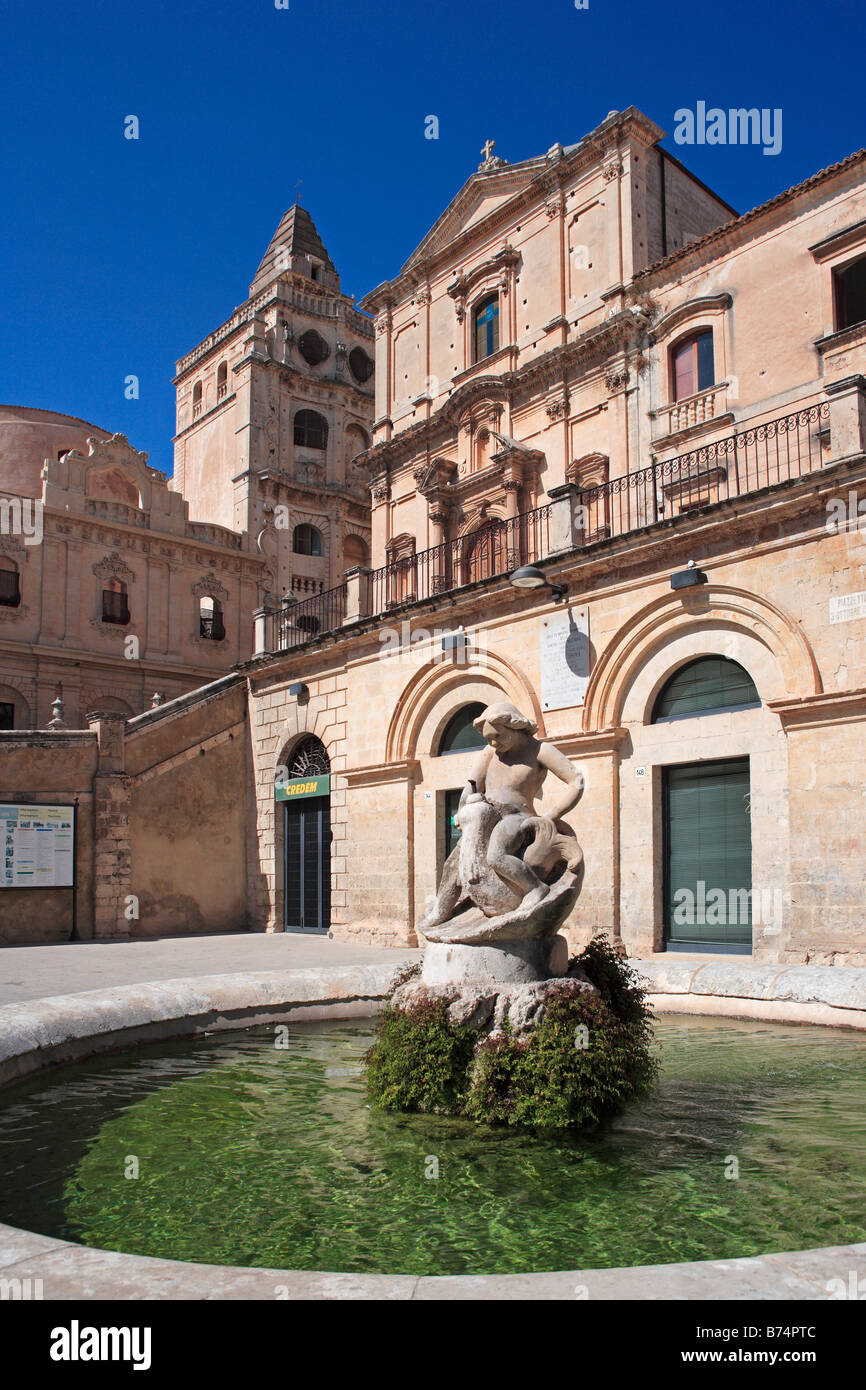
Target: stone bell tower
[{"x": 274, "y": 409}]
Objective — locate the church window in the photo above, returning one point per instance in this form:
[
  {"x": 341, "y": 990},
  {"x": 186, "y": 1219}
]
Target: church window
[
  {"x": 196, "y": 400},
  {"x": 115, "y": 602},
  {"x": 313, "y": 347},
  {"x": 311, "y": 430},
  {"x": 850, "y": 294},
  {"x": 486, "y": 323},
  {"x": 360, "y": 364},
  {"x": 222, "y": 380},
  {"x": 7, "y": 715},
  {"x": 306, "y": 540},
  {"x": 692, "y": 367},
  {"x": 10, "y": 592},
  {"x": 210, "y": 623}
]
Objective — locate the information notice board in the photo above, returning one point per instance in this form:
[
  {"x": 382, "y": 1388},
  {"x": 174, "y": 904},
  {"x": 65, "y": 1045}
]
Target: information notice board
[{"x": 38, "y": 846}]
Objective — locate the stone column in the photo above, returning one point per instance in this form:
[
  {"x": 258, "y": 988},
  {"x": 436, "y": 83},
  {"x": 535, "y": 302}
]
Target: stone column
[
  {"x": 260, "y": 629},
  {"x": 112, "y": 857},
  {"x": 566, "y": 529},
  {"x": 358, "y": 596},
  {"x": 847, "y": 417}
]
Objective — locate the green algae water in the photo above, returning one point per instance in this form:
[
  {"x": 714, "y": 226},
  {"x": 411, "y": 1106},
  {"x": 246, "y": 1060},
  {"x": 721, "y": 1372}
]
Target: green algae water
[{"x": 249, "y": 1153}]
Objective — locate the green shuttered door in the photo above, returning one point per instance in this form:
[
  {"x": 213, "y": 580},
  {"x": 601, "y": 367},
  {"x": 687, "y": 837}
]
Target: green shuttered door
[{"x": 709, "y": 857}]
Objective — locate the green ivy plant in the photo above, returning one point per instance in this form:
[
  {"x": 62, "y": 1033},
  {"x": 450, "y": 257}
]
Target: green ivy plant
[{"x": 590, "y": 1056}]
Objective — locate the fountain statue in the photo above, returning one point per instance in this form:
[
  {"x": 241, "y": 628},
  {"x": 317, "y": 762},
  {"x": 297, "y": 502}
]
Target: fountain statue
[
  {"x": 507, "y": 887},
  {"x": 496, "y": 1024}
]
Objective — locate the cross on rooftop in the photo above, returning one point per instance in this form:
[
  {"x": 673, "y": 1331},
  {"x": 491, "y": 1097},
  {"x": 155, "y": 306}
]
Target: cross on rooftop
[{"x": 487, "y": 150}]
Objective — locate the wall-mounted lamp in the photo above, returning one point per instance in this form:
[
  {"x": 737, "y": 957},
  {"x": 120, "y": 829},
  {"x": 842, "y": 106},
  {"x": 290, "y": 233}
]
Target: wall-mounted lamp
[
  {"x": 684, "y": 579},
  {"x": 528, "y": 577}
]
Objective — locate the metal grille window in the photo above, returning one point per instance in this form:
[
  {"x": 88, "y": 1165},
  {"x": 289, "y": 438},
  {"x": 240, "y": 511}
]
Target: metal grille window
[{"x": 309, "y": 759}]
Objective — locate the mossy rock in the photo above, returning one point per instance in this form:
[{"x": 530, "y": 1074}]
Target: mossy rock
[{"x": 589, "y": 1056}]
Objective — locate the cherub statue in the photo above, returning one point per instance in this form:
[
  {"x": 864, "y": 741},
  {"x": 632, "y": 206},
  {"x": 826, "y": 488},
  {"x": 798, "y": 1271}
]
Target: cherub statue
[{"x": 506, "y": 861}]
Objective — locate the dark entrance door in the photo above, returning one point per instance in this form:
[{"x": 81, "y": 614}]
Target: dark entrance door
[
  {"x": 307, "y": 865},
  {"x": 708, "y": 857},
  {"x": 452, "y": 829}
]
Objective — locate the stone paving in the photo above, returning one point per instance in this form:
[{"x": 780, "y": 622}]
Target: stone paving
[{"x": 35, "y": 972}]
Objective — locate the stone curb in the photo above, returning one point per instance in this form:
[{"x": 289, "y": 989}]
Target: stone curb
[
  {"x": 820, "y": 994},
  {"x": 76, "y": 1273},
  {"x": 41, "y": 1033}
]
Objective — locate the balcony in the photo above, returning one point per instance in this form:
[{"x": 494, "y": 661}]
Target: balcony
[
  {"x": 758, "y": 457},
  {"x": 696, "y": 412}
]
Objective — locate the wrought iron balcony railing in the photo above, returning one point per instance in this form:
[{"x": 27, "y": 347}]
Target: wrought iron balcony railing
[{"x": 760, "y": 456}]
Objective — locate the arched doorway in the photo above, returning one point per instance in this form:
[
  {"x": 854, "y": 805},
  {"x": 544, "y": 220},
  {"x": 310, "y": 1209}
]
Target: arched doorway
[{"x": 305, "y": 794}]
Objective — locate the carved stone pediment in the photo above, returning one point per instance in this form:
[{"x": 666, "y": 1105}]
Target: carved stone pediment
[
  {"x": 210, "y": 587},
  {"x": 113, "y": 566}
]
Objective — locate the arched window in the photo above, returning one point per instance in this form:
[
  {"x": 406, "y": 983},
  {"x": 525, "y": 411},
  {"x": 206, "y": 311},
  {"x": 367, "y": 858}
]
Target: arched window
[
  {"x": 460, "y": 735},
  {"x": 709, "y": 685},
  {"x": 309, "y": 758},
  {"x": 311, "y": 430},
  {"x": 10, "y": 590},
  {"x": 306, "y": 540},
  {"x": 692, "y": 365},
  {"x": 485, "y": 552},
  {"x": 115, "y": 602},
  {"x": 14, "y": 710},
  {"x": 222, "y": 379},
  {"x": 355, "y": 552},
  {"x": 849, "y": 286},
  {"x": 210, "y": 622},
  {"x": 196, "y": 400},
  {"x": 485, "y": 323}
]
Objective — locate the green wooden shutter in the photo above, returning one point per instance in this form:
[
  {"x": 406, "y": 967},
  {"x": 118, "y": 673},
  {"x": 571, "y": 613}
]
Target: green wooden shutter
[{"x": 708, "y": 852}]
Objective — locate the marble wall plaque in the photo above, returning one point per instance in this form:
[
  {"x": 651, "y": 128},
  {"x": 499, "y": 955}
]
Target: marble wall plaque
[{"x": 564, "y": 657}]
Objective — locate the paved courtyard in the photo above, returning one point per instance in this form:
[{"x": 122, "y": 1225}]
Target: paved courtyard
[{"x": 35, "y": 972}]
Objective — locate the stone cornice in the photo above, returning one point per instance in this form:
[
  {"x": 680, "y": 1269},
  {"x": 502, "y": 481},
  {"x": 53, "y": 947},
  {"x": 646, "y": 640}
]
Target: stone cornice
[
  {"x": 603, "y": 743},
  {"x": 817, "y": 711},
  {"x": 375, "y": 775},
  {"x": 692, "y": 309}
]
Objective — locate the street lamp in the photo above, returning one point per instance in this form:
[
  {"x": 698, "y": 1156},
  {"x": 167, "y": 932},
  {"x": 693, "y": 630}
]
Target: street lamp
[{"x": 528, "y": 577}]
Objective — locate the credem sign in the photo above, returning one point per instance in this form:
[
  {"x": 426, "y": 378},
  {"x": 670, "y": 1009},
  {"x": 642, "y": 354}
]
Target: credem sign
[{"x": 303, "y": 786}]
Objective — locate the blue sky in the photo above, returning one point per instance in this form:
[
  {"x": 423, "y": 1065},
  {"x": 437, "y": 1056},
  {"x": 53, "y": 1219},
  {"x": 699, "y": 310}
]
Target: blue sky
[{"x": 119, "y": 256}]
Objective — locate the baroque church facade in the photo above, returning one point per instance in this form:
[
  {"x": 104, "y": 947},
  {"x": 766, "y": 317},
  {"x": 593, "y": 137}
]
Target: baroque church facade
[{"x": 615, "y": 465}]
